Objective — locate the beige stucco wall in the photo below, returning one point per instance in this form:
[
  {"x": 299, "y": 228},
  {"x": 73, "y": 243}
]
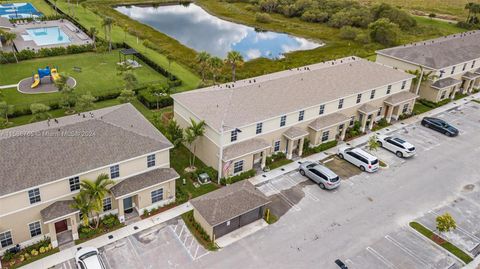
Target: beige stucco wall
[
  {"x": 208, "y": 229},
  {"x": 395, "y": 63},
  {"x": 144, "y": 198}
]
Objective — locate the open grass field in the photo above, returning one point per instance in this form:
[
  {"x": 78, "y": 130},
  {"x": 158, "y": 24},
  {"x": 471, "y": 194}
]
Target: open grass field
[{"x": 99, "y": 75}]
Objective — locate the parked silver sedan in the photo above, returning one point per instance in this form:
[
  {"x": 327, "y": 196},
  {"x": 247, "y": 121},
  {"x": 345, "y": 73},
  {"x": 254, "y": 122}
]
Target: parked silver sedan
[{"x": 320, "y": 174}]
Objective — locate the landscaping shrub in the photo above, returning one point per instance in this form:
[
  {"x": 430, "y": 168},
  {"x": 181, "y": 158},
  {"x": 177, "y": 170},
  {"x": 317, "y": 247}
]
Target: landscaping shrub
[
  {"x": 8, "y": 57},
  {"x": 150, "y": 101},
  {"x": 348, "y": 33},
  {"x": 275, "y": 157},
  {"x": 239, "y": 177},
  {"x": 354, "y": 130},
  {"x": 110, "y": 221},
  {"x": 263, "y": 17},
  {"x": 321, "y": 147},
  {"x": 197, "y": 230}
]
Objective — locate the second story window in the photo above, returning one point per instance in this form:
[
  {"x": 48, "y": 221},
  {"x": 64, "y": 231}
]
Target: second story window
[
  {"x": 6, "y": 239},
  {"x": 233, "y": 135},
  {"x": 340, "y": 103},
  {"x": 259, "y": 128},
  {"x": 74, "y": 183},
  {"x": 322, "y": 110},
  {"x": 300, "y": 115},
  {"x": 151, "y": 160},
  {"x": 372, "y": 94},
  {"x": 453, "y": 70},
  {"x": 464, "y": 67},
  {"x": 389, "y": 89},
  {"x": 283, "y": 120},
  {"x": 359, "y": 98},
  {"x": 34, "y": 196},
  {"x": 473, "y": 64},
  {"x": 404, "y": 83},
  {"x": 114, "y": 171}
]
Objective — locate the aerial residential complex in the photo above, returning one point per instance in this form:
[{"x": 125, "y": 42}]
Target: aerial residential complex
[
  {"x": 453, "y": 63},
  {"x": 43, "y": 164},
  {"x": 253, "y": 118}
]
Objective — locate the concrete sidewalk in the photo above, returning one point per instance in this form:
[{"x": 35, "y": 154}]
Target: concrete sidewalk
[
  {"x": 104, "y": 240},
  {"x": 9, "y": 86},
  {"x": 266, "y": 176}
]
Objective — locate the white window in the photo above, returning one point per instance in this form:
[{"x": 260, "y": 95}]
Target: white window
[
  {"x": 453, "y": 70},
  {"x": 340, "y": 103},
  {"x": 283, "y": 120},
  {"x": 34, "y": 196},
  {"x": 325, "y": 136},
  {"x": 35, "y": 228},
  {"x": 157, "y": 196},
  {"x": 74, "y": 183},
  {"x": 322, "y": 109},
  {"x": 233, "y": 135},
  {"x": 6, "y": 239},
  {"x": 404, "y": 83},
  {"x": 114, "y": 171},
  {"x": 359, "y": 98},
  {"x": 259, "y": 128},
  {"x": 405, "y": 108},
  {"x": 151, "y": 160},
  {"x": 107, "y": 204},
  {"x": 276, "y": 146},
  {"x": 372, "y": 94},
  {"x": 389, "y": 89},
  {"x": 300, "y": 115},
  {"x": 238, "y": 167}
]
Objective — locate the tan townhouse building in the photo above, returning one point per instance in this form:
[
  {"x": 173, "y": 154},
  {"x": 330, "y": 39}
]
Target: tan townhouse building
[
  {"x": 451, "y": 64},
  {"x": 42, "y": 165},
  {"x": 248, "y": 120}
]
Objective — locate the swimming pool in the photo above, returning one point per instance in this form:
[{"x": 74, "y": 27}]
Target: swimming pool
[
  {"x": 44, "y": 36},
  {"x": 19, "y": 11}
]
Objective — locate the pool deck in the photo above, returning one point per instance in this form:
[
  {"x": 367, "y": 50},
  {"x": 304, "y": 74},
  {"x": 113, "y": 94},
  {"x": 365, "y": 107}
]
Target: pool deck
[{"x": 77, "y": 36}]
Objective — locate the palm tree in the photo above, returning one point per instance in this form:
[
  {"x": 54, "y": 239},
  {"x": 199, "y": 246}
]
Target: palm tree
[
  {"x": 469, "y": 6},
  {"x": 9, "y": 38},
  {"x": 234, "y": 59},
  {"x": 215, "y": 64},
  {"x": 202, "y": 59},
  {"x": 420, "y": 77},
  {"x": 93, "y": 33},
  {"x": 96, "y": 191},
  {"x": 107, "y": 23},
  {"x": 81, "y": 203},
  {"x": 192, "y": 133}
]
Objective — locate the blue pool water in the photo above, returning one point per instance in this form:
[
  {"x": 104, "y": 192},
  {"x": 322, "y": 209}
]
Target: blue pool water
[
  {"x": 19, "y": 11},
  {"x": 199, "y": 30},
  {"x": 46, "y": 36}
]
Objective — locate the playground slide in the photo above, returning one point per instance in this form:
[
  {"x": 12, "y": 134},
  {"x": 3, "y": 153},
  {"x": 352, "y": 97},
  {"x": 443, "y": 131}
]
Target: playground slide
[
  {"x": 54, "y": 74},
  {"x": 36, "y": 81}
]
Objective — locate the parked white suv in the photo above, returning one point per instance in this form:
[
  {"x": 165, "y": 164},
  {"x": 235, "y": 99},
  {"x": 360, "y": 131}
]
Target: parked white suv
[
  {"x": 89, "y": 258},
  {"x": 400, "y": 147},
  {"x": 360, "y": 158}
]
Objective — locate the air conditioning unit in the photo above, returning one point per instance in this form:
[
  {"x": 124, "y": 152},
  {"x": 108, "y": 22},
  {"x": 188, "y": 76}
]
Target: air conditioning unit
[{"x": 204, "y": 178}]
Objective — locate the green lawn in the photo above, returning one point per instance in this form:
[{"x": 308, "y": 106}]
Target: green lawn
[
  {"x": 99, "y": 75},
  {"x": 446, "y": 245},
  {"x": 420, "y": 108},
  {"x": 452, "y": 7}
]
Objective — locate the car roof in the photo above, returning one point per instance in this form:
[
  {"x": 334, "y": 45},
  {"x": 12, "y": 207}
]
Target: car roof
[
  {"x": 402, "y": 141},
  {"x": 364, "y": 154},
  {"x": 325, "y": 170},
  {"x": 93, "y": 262}
]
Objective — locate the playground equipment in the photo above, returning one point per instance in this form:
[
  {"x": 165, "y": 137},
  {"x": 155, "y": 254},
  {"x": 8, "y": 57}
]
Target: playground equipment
[{"x": 47, "y": 72}]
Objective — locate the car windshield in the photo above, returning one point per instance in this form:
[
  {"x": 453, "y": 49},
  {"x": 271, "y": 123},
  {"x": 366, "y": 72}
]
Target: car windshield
[
  {"x": 88, "y": 254},
  {"x": 333, "y": 180},
  {"x": 374, "y": 161},
  {"x": 311, "y": 165}
]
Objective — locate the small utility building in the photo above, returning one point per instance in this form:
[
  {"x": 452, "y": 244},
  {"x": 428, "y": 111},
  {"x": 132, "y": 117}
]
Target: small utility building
[{"x": 229, "y": 208}]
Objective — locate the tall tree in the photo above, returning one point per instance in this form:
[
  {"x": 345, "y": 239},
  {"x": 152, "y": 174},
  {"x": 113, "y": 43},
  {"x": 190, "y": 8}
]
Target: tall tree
[
  {"x": 126, "y": 96},
  {"x": 174, "y": 133},
  {"x": 5, "y": 111},
  {"x": 234, "y": 59},
  {"x": 96, "y": 191},
  {"x": 39, "y": 112},
  {"x": 202, "y": 60},
  {"x": 160, "y": 91},
  {"x": 445, "y": 223},
  {"x": 372, "y": 144},
  {"x": 9, "y": 37},
  {"x": 107, "y": 23},
  {"x": 85, "y": 102},
  {"x": 192, "y": 133},
  {"x": 420, "y": 77},
  {"x": 82, "y": 203},
  {"x": 130, "y": 80},
  {"x": 215, "y": 65},
  {"x": 93, "y": 33}
]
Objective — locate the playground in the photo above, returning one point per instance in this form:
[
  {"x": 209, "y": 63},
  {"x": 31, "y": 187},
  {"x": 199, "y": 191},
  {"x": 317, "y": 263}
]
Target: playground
[{"x": 43, "y": 82}]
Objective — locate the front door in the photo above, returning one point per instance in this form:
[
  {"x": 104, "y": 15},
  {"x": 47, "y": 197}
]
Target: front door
[
  {"x": 61, "y": 226},
  {"x": 128, "y": 205}
]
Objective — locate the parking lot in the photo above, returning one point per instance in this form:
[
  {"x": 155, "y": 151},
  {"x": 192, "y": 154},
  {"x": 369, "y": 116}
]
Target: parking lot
[{"x": 162, "y": 246}]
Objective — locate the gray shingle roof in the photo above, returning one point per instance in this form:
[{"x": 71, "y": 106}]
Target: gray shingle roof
[
  {"x": 243, "y": 148},
  {"x": 368, "y": 108},
  {"x": 328, "y": 121},
  {"x": 470, "y": 75},
  {"x": 444, "y": 83},
  {"x": 229, "y": 202},
  {"x": 400, "y": 97},
  {"x": 36, "y": 153},
  {"x": 295, "y": 133},
  {"x": 142, "y": 181},
  {"x": 441, "y": 52},
  {"x": 257, "y": 99},
  {"x": 57, "y": 209}
]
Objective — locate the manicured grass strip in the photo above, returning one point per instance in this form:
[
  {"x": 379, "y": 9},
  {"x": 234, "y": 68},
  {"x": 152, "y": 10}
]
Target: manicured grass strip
[
  {"x": 198, "y": 231},
  {"x": 279, "y": 163},
  {"x": 446, "y": 245},
  {"x": 36, "y": 258},
  {"x": 420, "y": 108}
]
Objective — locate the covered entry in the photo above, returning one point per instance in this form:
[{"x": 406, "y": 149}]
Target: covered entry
[
  {"x": 227, "y": 209},
  {"x": 62, "y": 221}
]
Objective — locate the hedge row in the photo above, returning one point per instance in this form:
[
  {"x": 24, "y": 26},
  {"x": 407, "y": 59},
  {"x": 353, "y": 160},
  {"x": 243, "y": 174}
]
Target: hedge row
[
  {"x": 239, "y": 177},
  {"x": 150, "y": 101},
  {"x": 8, "y": 57}
]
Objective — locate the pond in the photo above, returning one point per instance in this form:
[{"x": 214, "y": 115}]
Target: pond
[{"x": 195, "y": 28}]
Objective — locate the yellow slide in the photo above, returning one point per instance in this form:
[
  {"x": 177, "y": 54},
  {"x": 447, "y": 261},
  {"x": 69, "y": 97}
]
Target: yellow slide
[
  {"x": 36, "y": 81},
  {"x": 54, "y": 74}
]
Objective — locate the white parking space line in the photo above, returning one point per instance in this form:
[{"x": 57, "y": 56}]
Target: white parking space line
[
  {"x": 307, "y": 192},
  {"x": 381, "y": 258},
  {"x": 284, "y": 197},
  {"x": 408, "y": 251}
]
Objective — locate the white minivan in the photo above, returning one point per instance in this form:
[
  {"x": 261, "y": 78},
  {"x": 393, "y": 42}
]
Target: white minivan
[{"x": 360, "y": 158}]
